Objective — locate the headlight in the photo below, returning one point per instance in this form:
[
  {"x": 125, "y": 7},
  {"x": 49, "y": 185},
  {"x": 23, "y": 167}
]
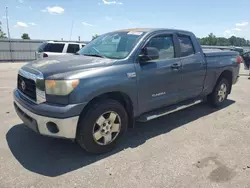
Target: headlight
[{"x": 60, "y": 87}]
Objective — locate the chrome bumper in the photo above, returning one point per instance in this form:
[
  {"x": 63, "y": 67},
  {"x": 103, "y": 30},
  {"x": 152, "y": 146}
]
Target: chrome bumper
[{"x": 66, "y": 127}]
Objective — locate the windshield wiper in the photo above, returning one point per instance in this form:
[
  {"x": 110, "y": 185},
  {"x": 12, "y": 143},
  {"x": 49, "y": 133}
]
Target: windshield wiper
[{"x": 95, "y": 55}]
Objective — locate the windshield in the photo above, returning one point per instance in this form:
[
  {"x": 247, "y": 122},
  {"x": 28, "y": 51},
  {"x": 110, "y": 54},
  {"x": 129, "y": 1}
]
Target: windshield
[
  {"x": 116, "y": 45},
  {"x": 41, "y": 47}
]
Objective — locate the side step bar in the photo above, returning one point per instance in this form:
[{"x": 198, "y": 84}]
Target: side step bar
[{"x": 167, "y": 110}]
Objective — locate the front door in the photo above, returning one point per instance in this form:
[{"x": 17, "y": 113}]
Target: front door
[{"x": 159, "y": 79}]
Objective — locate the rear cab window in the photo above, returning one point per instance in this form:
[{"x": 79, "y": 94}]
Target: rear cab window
[
  {"x": 186, "y": 45},
  {"x": 51, "y": 47}
]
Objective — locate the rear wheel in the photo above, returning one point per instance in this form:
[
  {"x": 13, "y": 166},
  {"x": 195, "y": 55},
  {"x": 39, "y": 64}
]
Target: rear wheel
[
  {"x": 101, "y": 128},
  {"x": 220, "y": 93}
]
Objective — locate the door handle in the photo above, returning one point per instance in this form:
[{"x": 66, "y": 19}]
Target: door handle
[{"x": 176, "y": 66}]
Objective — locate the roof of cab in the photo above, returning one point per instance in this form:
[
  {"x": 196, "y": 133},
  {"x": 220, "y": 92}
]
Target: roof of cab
[
  {"x": 151, "y": 30},
  {"x": 135, "y": 30},
  {"x": 64, "y": 42}
]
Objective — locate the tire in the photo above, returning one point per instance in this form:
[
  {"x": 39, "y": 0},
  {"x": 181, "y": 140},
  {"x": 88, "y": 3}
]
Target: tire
[
  {"x": 219, "y": 95},
  {"x": 96, "y": 126}
]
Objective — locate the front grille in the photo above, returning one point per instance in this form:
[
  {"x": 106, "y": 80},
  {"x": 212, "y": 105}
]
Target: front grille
[{"x": 27, "y": 87}]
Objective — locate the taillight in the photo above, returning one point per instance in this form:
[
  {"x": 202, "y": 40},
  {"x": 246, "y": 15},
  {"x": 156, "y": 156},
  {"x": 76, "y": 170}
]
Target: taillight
[
  {"x": 239, "y": 59},
  {"x": 45, "y": 55}
]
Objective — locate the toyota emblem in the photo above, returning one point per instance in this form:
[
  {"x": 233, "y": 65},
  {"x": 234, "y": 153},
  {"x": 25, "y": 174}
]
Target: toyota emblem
[{"x": 23, "y": 85}]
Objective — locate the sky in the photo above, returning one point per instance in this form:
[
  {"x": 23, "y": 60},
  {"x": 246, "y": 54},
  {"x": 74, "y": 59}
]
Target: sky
[{"x": 68, "y": 19}]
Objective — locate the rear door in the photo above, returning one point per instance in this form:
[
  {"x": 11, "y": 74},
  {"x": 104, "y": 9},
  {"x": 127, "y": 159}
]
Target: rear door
[
  {"x": 159, "y": 79},
  {"x": 193, "y": 68}
]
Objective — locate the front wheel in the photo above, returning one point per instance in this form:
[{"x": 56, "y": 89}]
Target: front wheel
[
  {"x": 220, "y": 93},
  {"x": 100, "y": 129}
]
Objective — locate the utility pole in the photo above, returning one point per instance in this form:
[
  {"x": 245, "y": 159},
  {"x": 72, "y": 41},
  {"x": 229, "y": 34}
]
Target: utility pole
[
  {"x": 8, "y": 30},
  {"x": 7, "y": 20}
]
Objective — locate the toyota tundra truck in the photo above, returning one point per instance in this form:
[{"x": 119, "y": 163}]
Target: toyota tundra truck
[{"x": 120, "y": 78}]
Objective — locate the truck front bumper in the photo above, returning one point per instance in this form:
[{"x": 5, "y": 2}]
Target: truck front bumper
[{"x": 63, "y": 127}]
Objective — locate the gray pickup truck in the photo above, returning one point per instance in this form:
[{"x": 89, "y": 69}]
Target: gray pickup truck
[{"x": 121, "y": 77}]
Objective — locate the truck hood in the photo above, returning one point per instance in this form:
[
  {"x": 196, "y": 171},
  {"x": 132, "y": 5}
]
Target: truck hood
[{"x": 66, "y": 64}]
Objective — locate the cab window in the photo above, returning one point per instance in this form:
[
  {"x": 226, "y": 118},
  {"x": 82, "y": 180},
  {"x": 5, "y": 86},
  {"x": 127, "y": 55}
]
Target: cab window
[
  {"x": 73, "y": 48},
  {"x": 165, "y": 46},
  {"x": 186, "y": 45}
]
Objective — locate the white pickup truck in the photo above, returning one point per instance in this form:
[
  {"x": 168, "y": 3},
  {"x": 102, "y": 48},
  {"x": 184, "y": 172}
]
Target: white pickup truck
[{"x": 53, "y": 48}]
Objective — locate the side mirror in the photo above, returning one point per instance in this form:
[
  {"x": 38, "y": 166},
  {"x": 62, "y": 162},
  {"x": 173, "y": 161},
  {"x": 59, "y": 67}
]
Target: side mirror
[{"x": 149, "y": 53}]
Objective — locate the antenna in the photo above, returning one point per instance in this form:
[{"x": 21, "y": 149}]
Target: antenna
[{"x": 71, "y": 30}]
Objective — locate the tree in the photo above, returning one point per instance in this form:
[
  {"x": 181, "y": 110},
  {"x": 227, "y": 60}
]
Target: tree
[
  {"x": 2, "y": 34},
  {"x": 25, "y": 36},
  {"x": 211, "y": 39},
  {"x": 95, "y": 36},
  {"x": 221, "y": 41}
]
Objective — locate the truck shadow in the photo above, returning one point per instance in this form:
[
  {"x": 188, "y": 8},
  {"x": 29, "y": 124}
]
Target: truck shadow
[{"x": 54, "y": 157}]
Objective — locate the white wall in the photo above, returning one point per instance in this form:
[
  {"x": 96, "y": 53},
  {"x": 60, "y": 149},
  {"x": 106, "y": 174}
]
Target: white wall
[{"x": 21, "y": 50}]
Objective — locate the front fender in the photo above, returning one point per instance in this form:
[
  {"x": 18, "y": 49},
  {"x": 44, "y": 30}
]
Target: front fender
[{"x": 93, "y": 87}]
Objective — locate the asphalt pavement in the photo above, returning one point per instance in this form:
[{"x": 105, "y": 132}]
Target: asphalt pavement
[{"x": 196, "y": 147}]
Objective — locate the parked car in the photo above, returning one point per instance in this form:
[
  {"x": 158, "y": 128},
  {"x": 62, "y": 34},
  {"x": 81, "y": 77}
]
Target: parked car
[
  {"x": 118, "y": 78},
  {"x": 246, "y": 58},
  {"x": 238, "y": 49},
  {"x": 52, "y": 48}
]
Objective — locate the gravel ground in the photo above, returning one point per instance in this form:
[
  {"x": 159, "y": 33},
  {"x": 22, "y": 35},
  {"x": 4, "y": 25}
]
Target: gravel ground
[{"x": 196, "y": 147}]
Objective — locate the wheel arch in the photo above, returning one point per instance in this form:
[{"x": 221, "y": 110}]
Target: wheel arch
[
  {"x": 121, "y": 97},
  {"x": 227, "y": 74}
]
